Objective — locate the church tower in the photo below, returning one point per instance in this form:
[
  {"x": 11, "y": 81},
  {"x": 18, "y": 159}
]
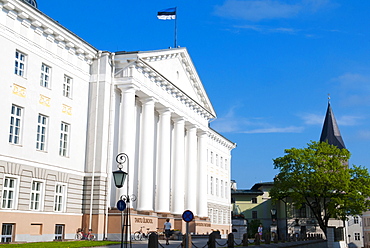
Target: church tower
[{"x": 330, "y": 132}]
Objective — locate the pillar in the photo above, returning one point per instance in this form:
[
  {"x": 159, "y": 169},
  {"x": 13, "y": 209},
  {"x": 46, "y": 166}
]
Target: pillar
[
  {"x": 146, "y": 156},
  {"x": 127, "y": 126},
  {"x": 178, "y": 185},
  {"x": 164, "y": 161}
]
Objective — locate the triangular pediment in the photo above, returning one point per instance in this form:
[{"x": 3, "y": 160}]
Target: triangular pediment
[{"x": 176, "y": 66}]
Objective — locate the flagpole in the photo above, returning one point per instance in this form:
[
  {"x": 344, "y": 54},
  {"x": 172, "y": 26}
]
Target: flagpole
[{"x": 175, "y": 27}]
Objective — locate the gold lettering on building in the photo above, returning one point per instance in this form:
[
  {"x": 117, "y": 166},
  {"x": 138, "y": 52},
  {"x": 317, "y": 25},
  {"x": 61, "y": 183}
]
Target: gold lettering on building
[
  {"x": 144, "y": 220},
  {"x": 203, "y": 224}
]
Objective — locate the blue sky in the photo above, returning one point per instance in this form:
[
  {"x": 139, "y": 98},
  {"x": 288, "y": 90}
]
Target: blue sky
[{"x": 267, "y": 65}]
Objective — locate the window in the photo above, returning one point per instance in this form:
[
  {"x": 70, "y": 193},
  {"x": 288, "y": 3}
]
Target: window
[
  {"x": 211, "y": 157},
  {"x": 41, "y": 133},
  {"x": 357, "y": 236},
  {"x": 59, "y": 232},
  {"x": 64, "y": 138},
  {"x": 9, "y": 193},
  {"x": 226, "y": 190},
  {"x": 216, "y": 159},
  {"x": 36, "y": 195},
  {"x": 67, "y": 86},
  {"x": 221, "y": 162},
  {"x": 15, "y": 124},
  {"x": 222, "y": 188},
  {"x": 7, "y": 232},
  {"x": 254, "y": 200},
  {"x": 210, "y": 213},
  {"x": 215, "y": 216},
  {"x": 355, "y": 220},
  {"x": 45, "y": 76},
  {"x": 217, "y": 186},
  {"x": 59, "y": 198},
  {"x": 20, "y": 60},
  {"x": 211, "y": 186},
  {"x": 254, "y": 215}
]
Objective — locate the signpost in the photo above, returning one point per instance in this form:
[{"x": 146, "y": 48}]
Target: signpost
[
  {"x": 187, "y": 216},
  {"x": 121, "y": 205}
]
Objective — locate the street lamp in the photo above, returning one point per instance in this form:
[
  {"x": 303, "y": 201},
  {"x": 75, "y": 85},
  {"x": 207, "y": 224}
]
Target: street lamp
[{"x": 119, "y": 177}]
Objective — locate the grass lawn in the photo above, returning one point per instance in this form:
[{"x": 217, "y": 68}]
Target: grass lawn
[{"x": 67, "y": 244}]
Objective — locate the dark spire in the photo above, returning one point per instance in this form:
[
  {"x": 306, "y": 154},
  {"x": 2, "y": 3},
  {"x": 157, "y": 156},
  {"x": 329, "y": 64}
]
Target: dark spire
[{"x": 330, "y": 132}]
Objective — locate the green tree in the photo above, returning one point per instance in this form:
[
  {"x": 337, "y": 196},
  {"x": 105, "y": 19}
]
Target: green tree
[
  {"x": 253, "y": 227},
  {"x": 319, "y": 177}
]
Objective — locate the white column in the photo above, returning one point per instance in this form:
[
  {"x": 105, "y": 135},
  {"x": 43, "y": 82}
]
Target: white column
[
  {"x": 146, "y": 156},
  {"x": 164, "y": 161},
  {"x": 191, "y": 169},
  {"x": 202, "y": 174},
  {"x": 126, "y": 132},
  {"x": 178, "y": 185}
]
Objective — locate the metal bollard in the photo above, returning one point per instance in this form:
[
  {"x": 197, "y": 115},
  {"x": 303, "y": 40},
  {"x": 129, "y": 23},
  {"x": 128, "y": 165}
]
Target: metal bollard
[
  {"x": 153, "y": 240},
  {"x": 245, "y": 239},
  {"x": 230, "y": 240}
]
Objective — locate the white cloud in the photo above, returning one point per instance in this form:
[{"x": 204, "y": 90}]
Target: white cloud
[
  {"x": 354, "y": 88},
  {"x": 256, "y": 10},
  {"x": 291, "y": 129},
  {"x": 313, "y": 119},
  {"x": 231, "y": 123},
  {"x": 264, "y": 29}
]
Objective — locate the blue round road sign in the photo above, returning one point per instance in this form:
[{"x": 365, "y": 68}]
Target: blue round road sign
[
  {"x": 187, "y": 216},
  {"x": 121, "y": 205}
]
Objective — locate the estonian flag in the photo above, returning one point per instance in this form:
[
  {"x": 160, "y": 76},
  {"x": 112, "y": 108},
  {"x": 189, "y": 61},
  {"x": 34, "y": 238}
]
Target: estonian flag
[{"x": 167, "y": 14}]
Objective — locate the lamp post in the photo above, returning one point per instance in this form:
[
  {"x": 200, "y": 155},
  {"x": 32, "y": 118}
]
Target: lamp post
[{"x": 119, "y": 177}]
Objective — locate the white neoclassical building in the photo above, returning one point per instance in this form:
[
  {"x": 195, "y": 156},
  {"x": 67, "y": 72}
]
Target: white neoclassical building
[{"x": 69, "y": 109}]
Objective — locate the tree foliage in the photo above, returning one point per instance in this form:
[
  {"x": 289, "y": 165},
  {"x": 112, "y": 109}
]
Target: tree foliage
[{"x": 319, "y": 177}]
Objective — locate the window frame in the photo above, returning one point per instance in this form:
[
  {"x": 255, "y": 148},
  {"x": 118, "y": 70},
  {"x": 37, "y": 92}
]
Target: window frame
[
  {"x": 39, "y": 192},
  {"x": 20, "y": 64},
  {"x": 5, "y": 237},
  {"x": 41, "y": 137},
  {"x": 67, "y": 86},
  {"x": 57, "y": 234},
  {"x": 15, "y": 190},
  {"x": 64, "y": 141},
  {"x": 45, "y": 76},
  {"x": 60, "y": 197},
  {"x": 357, "y": 236},
  {"x": 15, "y": 132}
]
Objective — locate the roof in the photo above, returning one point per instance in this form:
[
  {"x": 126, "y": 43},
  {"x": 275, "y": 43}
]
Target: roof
[
  {"x": 246, "y": 192},
  {"x": 330, "y": 132}
]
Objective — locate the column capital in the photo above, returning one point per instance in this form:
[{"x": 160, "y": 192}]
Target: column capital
[
  {"x": 202, "y": 132},
  {"x": 164, "y": 110},
  {"x": 145, "y": 100},
  {"x": 190, "y": 126},
  {"x": 127, "y": 87},
  {"x": 178, "y": 119}
]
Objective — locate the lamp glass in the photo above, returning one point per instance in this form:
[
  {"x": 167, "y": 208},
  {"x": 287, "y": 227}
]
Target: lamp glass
[{"x": 119, "y": 177}]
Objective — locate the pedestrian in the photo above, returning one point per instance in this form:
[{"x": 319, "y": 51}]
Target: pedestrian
[
  {"x": 167, "y": 230},
  {"x": 260, "y": 229}
]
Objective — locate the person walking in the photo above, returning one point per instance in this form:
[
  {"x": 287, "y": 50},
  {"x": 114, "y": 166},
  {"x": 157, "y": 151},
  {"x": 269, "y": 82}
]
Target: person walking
[
  {"x": 260, "y": 230},
  {"x": 167, "y": 230}
]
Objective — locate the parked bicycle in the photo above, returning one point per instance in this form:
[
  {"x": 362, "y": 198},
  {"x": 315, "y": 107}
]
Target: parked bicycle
[
  {"x": 80, "y": 235},
  {"x": 140, "y": 235}
]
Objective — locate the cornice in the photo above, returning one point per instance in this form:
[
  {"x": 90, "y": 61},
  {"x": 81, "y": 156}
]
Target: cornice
[
  {"x": 218, "y": 138},
  {"x": 190, "y": 70},
  {"x": 163, "y": 83},
  {"x": 53, "y": 31}
]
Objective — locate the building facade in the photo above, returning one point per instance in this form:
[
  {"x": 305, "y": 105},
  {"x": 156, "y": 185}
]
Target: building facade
[{"x": 70, "y": 109}]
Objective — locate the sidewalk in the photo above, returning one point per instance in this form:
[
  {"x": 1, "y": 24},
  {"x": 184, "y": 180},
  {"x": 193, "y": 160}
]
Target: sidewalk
[{"x": 162, "y": 243}]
